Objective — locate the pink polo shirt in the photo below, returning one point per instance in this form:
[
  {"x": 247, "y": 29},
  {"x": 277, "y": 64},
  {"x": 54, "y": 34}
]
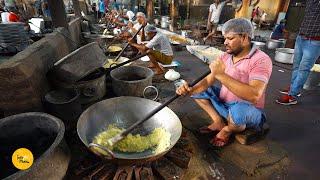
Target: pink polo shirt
[{"x": 257, "y": 65}]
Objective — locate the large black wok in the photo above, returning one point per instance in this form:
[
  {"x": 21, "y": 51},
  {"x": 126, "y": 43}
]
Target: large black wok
[{"x": 125, "y": 111}]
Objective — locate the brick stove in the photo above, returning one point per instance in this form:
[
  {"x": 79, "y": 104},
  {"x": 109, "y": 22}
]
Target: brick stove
[{"x": 172, "y": 165}]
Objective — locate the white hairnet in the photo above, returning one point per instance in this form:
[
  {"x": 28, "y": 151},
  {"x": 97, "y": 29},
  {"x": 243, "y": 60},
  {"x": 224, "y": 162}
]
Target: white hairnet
[
  {"x": 141, "y": 14},
  {"x": 150, "y": 28},
  {"x": 238, "y": 26}
]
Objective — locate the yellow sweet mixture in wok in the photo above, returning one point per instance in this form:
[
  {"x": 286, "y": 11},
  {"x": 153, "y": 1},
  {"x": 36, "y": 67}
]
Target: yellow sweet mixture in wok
[
  {"x": 158, "y": 140},
  {"x": 114, "y": 48},
  {"x": 316, "y": 68},
  {"x": 175, "y": 38},
  {"x": 110, "y": 62}
]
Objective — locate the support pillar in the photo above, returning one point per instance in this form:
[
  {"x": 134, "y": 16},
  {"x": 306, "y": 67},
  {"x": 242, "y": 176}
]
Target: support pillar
[
  {"x": 150, "y": 9},
  {"x": 173, "y": 14},
  {"x": 76, "y": 7},
  {"x": 188, "y": 9},
  {"x": 58, "y": 13}
]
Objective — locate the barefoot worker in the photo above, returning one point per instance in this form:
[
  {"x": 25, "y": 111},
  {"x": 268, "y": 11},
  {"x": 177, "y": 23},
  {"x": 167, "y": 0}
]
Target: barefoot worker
[
  {"x": 244, "y": 72},
  {"x": 159, "y": 48}
]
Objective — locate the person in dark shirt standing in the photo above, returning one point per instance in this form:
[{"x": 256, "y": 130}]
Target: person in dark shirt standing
[
  {"x": 280, "y": 30},
  {"x": 306, "y": 52}
]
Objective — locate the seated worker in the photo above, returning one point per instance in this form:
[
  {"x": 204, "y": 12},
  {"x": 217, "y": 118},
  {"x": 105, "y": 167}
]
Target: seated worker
[
  {"x": 127, "y": 16},
  {"x": 141, "y": 21},
  {"x": 243, "y": 71},
  {"x": 280, "y": 32},
  {"x": 124, "y": 18},
  {"x": 158, "y": 48}
]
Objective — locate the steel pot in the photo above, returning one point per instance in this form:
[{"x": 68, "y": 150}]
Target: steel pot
[
  {"x": 165, "y": 18},
  {"x": 259, "y": 45},
  {"x": 65, "y": 105},
  {"x": 91, "y": 89},
  {"x": 164, "y": 24},
  {"x": 284, "y": 55},
  {"x": 131, "y": 81},
  {"x": 274, "y": 44}
]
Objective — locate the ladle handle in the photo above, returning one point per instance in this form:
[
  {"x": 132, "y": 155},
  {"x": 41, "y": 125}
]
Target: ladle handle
[
  {"x": 125, "y": 47},
  {"x": 121, "y": 135},
  {"x": 108, "y": 153}
]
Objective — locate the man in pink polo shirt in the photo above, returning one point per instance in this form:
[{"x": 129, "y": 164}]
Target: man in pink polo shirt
[{"x": 244, "y": 72}]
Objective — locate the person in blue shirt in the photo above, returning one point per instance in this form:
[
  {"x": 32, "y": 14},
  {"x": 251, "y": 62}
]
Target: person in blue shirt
[
  {"x": 115, "y": 5},
  {"x": 280, "y": 31},
  {"x": 102, "y": 8}
]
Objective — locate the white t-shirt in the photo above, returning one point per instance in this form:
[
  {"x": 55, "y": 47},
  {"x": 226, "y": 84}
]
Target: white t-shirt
[
  {"x": 130, "y": 15},
  {"x": 137, "y": 26},
  {"x": 160, "y": 42},
  {"x": 216, "y": 11}
]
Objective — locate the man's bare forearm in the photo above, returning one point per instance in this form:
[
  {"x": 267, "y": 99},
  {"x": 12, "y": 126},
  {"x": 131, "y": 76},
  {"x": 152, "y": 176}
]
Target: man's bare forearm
[
  {"x": 139, "y": 47},
  {"x": 241, "y": 90},
  {"x": 203, "y": 84}
]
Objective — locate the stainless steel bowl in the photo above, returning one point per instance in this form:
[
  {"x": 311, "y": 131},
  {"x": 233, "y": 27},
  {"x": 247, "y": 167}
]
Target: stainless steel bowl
[
  {"x": 274, "y": 44},
  {"x": 259, "y": 44},
  {"x": 284, "y": 55}
]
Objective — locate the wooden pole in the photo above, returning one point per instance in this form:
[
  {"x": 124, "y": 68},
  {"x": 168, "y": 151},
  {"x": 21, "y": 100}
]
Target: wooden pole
[
  {"x": 150, "y": 9},
  {"x": 58, "y": 13},
  {"x": 188, "y": 9},
  {"x": 76, "y": 7},
  {"x": 138, "y": 4},
  {"x": 173, "y": 13},
  {"x": 160, "y": 7}
]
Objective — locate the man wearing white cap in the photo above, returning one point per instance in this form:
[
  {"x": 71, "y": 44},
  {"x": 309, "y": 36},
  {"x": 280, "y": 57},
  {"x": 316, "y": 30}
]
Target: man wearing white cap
[
  {"x": 158, "y": 49},
  {"x": 141, "y": 21}
]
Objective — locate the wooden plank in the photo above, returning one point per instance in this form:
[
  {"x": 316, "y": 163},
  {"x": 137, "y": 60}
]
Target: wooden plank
[
  {"x": 167, "y": 169},
  {"x": 250, "y": 136},
  {"x": 143, "y": 173},
  {"x": 179, "y": 157},
  {"x": 124, "y": 173}
]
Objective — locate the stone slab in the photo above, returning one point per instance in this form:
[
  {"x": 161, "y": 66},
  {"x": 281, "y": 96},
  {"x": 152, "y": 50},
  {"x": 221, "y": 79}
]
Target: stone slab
[
  {"x": 23, "y": 80},
  {"x": 253, "y": 159}
]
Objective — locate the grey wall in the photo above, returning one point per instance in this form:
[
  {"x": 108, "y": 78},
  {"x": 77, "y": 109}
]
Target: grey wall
[{"x": 23, "y": 81}]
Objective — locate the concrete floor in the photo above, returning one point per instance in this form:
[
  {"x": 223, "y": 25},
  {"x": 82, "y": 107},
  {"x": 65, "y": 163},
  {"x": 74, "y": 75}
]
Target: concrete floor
[{"x": 296, "y": 128}]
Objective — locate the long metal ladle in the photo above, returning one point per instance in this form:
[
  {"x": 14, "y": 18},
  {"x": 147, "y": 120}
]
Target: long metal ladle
[{"x": 112, "y": 141}]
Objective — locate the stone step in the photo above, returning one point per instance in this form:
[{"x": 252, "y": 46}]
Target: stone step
[{"x": 250, "y": 136}]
